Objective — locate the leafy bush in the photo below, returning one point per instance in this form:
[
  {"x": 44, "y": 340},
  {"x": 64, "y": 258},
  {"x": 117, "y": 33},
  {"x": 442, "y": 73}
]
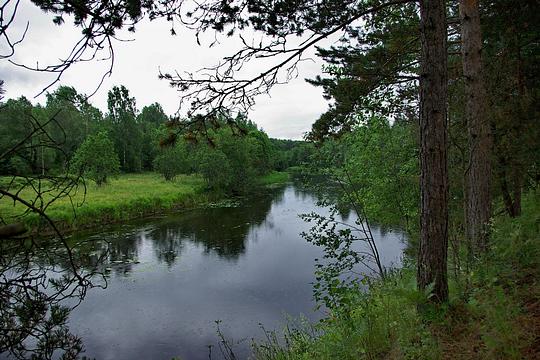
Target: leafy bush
[
  {"x": 172, "y": 161},
  {"x": 382, "y": 161},
  {"x": 96, "y": 158}
]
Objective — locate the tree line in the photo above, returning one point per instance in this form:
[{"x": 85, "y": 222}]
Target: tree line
[{"x": 127, "y": 140}]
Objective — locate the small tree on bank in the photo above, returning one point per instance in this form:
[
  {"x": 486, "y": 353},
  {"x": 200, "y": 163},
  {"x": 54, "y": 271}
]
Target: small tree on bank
[
  {"x": 172, "y": 161},
  {"x": 96, "y": 158}
]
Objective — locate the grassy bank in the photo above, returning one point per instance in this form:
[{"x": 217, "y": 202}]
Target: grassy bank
[
  {"x": 496, "y": 316},
  {"x": 125, "y": 197}
]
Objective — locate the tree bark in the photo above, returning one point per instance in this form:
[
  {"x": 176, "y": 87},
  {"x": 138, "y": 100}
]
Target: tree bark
[
  {"x": 480, "y": 139},
  {"x": 432, "y": 255}
]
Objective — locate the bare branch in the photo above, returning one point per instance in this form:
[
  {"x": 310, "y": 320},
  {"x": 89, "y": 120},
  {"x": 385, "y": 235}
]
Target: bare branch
[{"x": 214, "y": 89}]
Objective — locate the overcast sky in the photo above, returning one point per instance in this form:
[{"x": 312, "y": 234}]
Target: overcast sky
[{"x": 288, "y": 112}]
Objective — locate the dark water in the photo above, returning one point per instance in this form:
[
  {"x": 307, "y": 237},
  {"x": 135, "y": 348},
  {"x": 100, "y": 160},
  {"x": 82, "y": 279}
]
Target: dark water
[{"x": 170, "y": 279}]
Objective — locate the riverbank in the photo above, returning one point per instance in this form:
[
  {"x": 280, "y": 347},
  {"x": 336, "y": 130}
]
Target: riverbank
[
  {"x": 494, "y": 312},
  {"x": 125, "y": 197}
]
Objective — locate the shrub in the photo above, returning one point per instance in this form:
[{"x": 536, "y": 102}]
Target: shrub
[
  {"x": 96, "y": 158},
  {"x": 172, "y": 161}
]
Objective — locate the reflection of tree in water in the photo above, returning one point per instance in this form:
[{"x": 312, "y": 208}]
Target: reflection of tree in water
[
  {"x": 34, "y": 295},
  {"x": 112, "y": 251},
  {"x": 168, "y": 243},
  {"x": 223, "y": 231}
]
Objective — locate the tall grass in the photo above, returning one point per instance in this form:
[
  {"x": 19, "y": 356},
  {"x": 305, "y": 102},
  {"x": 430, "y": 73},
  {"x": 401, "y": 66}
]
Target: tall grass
[{"x": 381, "y": 324}]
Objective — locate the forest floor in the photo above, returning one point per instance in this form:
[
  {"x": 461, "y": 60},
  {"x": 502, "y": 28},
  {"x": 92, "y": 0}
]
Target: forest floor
[
  {"x": 124, "y": 197},
  {"x": 499, "y": 317}
]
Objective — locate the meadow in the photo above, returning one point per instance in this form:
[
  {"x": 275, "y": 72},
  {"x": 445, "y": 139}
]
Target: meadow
[
  {"x": 274, "y": 177},
  {"x": 124, "y": 197}
]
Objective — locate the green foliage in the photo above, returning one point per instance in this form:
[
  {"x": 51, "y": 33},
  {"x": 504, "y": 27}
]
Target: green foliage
[
  {"x": 126, "y": 134},
  {"x": 153, "y": 114},
  {"x": 383, "y": 323},
  {"x": 382, "y": 162},
  {"x": 71, "y": 127},
  {"x": 234, "y": 162},
  {"x": 333, "y": 280},
  {"x": 172, "y": 160},
  {"x": 291, "y": 153},
  {"x": 372, "y": 74},
  {"x": 379, "y": 162},
  {"x": 96, "y": 158},
  {"x": 151, "y": 122},
  {"x": 67, "y": 119},
  {"x": 14, "y": 127},
  {"x": 503, "y": 282},
  {"x": 214, "y": 167},
  {"x": 241, "y": 157}
]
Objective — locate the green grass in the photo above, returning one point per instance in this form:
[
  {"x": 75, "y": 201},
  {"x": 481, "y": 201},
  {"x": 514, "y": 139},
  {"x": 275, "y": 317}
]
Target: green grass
[
  {"x": 496, "y": 319},
  {"x": 274, "y": 177},
  {"x": 124, "y": 197}
]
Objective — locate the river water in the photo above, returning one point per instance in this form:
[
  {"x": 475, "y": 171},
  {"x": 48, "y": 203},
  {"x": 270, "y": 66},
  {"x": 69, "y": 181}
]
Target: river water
[{"x": 170, "y": 279}]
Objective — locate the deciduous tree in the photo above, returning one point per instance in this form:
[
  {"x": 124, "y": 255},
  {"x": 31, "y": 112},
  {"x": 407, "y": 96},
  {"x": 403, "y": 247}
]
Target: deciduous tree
[{"x": 96, "y": 158}]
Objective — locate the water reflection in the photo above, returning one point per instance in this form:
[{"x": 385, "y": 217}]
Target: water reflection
[
  {"x": 36, "y": 297},
  {"x": 170, "y": 279},
  {"x": 219, "y": 230}
]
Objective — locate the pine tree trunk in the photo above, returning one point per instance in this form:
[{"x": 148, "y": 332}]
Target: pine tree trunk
[
  {"x": 480, "y": 141},
  {"x": 432, "y": 256}
]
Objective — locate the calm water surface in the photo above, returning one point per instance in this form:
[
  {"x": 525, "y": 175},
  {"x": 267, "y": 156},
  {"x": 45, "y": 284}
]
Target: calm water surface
[{"x": 170, "y": 279}]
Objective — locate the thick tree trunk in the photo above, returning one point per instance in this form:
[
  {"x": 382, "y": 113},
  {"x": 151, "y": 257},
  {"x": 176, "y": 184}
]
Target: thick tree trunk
[
  {"x": 480, "y": 141},
  {"x": 432, "y": 256}
]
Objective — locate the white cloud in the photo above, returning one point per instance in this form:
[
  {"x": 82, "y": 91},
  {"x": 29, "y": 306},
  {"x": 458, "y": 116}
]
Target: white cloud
[{"x": 287, "y": 113}]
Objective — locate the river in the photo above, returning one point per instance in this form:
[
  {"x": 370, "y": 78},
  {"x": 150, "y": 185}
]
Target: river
[{"x": 170, "y": 279}]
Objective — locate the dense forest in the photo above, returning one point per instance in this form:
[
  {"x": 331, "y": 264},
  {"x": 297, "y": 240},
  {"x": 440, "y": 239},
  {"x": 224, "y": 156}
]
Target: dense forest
[{"x": 432, "y": 128}]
